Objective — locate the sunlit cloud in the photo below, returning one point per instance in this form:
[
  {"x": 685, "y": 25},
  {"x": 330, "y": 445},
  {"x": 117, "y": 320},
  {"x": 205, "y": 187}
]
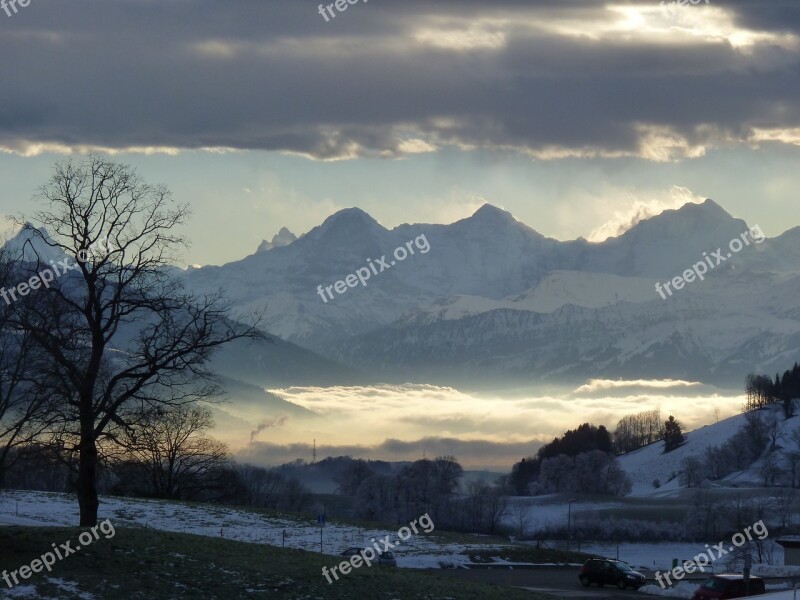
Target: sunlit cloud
[
  {"x": 484, "y": 34},
  {"x": 638, "y": 205},
  {"x": 671, "y": 24},
  {"x": 363, "y": 418},
  {"x": 789, "y": 136},
  {"x": 595, "y": 385},
  {"x": 30, "y": 149}
]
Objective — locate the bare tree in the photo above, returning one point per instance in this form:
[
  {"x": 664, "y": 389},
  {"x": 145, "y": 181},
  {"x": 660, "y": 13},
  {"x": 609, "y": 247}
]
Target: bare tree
[
  {"x": 691, "y": 471},
  {"x": 785, "y": 503},
  {"x": 793, "y": 466},
  {"x": 770, "y": 469},
  {"x": 635, "y": 431},
  {"x": 123, "y": 335},
  {"x": 773, "y": 427},
  {"x": 497, "y": 505},
  {"x": 172, "y": 448},
  {"x": 522, "y": 519}
]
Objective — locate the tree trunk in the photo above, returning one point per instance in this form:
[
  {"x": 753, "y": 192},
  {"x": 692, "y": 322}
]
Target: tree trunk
[{"x": 87, "y": 472}]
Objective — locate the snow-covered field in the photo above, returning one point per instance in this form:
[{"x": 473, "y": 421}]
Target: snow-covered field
[
  {"x": 538, "y": 512},
  {"x": 41, "y": 508}
]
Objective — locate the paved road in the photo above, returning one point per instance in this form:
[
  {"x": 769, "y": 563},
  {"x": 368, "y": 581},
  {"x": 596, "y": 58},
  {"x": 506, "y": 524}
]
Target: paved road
[{"x": 556, "y": 581}]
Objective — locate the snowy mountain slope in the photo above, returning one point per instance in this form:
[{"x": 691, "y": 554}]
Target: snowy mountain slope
[
  {"x": 277, "y": 363},
  {"x": 556, "y": 289},
  {"x": 590, "y": 290},
  {"x": 713, "y": 333}
]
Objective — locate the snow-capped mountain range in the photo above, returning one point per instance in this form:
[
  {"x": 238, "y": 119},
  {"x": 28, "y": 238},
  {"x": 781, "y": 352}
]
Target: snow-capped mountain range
[{"x": 494, "y": 299}]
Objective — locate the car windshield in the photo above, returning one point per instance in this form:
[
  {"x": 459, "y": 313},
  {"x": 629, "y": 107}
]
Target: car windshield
[
  {"x": 623, "y": 566},
  {"x": 712, "y": 583}
]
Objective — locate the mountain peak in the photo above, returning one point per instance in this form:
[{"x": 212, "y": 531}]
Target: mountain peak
[
  {"x": 490, "y": 218},
  {"x": 346, "y": 224},
  {"x": 29, "y": 245},
  {"x": 349, "y": 216},
  {"x": 707, "y": 207},
  {"x": 283, "y": 238},
  {"x": 489, "y": 212},
  {"x": 695, "y": 217}
]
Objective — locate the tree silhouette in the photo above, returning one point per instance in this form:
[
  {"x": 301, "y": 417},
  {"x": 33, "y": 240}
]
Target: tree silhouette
[{"x": 673, "y": 434}]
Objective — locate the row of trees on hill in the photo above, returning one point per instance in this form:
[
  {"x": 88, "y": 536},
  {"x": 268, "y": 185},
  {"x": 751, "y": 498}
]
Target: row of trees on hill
[
  {"x": 424, "y": 486},
  {"x": 635, "y": 431},
  {"x": 763, "y": 391},
  {"x": 583, "y": 459}
]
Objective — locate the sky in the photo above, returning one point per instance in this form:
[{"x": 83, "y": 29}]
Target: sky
[{"x": 579, "y": 117}]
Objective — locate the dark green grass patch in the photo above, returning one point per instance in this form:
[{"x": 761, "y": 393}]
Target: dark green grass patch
[{"x": 155, "y": 565}]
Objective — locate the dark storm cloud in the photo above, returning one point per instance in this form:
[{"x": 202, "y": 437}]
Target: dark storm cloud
[
  {"x": 773, "y": 15},
  {"x": 386, "y": 77}
]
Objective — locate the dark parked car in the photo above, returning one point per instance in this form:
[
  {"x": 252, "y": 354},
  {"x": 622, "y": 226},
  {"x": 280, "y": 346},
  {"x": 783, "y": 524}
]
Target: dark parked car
[
  {"x": 728, "y": 585},
  {"x": 604, "y": 571}
]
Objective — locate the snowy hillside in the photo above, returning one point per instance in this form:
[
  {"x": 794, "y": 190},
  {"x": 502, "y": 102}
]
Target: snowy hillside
[{"x": 646, "y": 464}]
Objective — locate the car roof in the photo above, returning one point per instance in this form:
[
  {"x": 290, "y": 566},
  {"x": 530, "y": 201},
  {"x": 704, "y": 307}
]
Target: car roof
[{"x": 613, "y": 560}]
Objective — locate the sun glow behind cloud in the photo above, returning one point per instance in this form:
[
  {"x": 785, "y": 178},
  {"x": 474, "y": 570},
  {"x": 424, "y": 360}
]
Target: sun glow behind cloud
[{"x": 672, "y": 24}]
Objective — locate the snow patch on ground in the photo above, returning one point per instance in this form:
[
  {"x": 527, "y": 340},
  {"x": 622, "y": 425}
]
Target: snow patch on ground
[
  {"x": 775, "y": 571},
  {"x": 683, "y": 590}
]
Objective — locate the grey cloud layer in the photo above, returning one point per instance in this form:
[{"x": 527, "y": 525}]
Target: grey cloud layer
[
  {"x": 391, "y": 78},
  {"x": 468, "y": 451}
]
